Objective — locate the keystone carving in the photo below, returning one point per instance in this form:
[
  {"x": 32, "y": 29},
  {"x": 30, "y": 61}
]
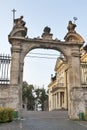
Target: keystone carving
[
  {"x": 46, "y": 33},
  {"x": 47, "y": 30}
]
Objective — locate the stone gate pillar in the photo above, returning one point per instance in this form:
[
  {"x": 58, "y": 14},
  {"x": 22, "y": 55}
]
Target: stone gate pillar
[
  {"x": 15, "y": 65},
  {"x": 19, "y": 31},
  {"x": 76, "y": 101},
  {"x": 15, "y": 78},
  {"x": 75, "y": 92}
]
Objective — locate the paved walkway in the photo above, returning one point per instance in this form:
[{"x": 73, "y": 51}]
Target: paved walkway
[{"x": 56, "y": 120}]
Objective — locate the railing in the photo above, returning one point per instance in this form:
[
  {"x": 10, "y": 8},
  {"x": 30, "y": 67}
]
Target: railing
[{"x": 4, "y": 69}]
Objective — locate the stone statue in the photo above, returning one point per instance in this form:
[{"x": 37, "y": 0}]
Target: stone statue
[
  {"x": 47, "y": 30},
  {"x": 19, "y": 22},
  {"x": 71, "y": 27},
  {"x": 19, "y": 29},
  {"x": 46, "y": 33}
]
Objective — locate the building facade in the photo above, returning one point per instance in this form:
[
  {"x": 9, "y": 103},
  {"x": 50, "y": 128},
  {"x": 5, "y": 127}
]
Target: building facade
[{"x": 58, "y": 86}]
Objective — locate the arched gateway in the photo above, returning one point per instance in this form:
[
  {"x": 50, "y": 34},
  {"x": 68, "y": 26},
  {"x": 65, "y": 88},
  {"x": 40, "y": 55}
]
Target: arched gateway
[{"x": 21, "y": 45}]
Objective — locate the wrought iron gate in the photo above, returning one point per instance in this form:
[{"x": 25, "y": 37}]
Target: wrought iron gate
[{"x": 4, "y": 69}]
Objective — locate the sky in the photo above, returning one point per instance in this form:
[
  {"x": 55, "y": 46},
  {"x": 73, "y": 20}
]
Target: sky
[{"x": 38, "y": 14}]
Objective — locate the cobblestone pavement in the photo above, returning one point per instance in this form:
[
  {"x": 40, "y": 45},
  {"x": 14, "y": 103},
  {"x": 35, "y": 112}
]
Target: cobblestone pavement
[{"x": 56, "y": 120}]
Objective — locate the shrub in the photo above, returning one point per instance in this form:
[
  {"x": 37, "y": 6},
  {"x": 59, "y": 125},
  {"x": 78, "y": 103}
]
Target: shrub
[{"x": 6, "y": 115}]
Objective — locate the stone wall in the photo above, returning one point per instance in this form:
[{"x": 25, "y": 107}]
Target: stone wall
[
  {"x": 9, "y": 96},
  {"x": 78, "y": 99},
  {"x": 4, "y": 95}
]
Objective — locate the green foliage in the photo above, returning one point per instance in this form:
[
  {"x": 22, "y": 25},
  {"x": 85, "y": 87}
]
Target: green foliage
[
  {"x": 41, "y": 96},
  {"x": 28, "y": 96},
  {"x": 24, "y": 91},
  {"x": 6, "y": 115}
]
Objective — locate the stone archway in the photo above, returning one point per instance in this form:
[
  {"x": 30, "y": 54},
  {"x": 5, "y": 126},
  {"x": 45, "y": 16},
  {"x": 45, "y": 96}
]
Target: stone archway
[{"x": 21, "y": 45}]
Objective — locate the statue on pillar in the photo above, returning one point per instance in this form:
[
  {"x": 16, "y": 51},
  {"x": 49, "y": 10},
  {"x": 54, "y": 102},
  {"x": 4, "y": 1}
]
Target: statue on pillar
[
  {"x": 19, "y": 22},
  {"x": 71, "y": 27},
  {"x": 72, "y": 36},
  {"x": 19, "y": 29}
]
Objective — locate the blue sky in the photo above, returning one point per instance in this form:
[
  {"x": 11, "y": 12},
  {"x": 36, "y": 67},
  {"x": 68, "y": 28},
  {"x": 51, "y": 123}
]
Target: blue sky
[{"x": 38, "y": 14}]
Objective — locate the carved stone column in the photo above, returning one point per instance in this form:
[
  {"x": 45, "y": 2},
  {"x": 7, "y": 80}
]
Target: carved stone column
[
  {"x": 59, "y": 99},
  {"x": 15, "y": 65},
  {"x": 18, "y": 32},
  {"x": 75, "y": 94},
  {"x": 74, "y": 67},
  {"x": 16, "y": 77}
]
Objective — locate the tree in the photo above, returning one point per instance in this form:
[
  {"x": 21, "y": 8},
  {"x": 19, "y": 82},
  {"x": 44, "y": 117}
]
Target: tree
[
  {"x": 28, "y": 96},
  {"x": 24, "y": 91},
  {"x": 41, "y": 96},
  {"x": 31, "y": 99}
]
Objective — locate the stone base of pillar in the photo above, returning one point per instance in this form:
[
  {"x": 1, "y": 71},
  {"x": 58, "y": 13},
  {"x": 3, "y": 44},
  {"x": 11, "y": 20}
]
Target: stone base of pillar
[
  {"x": 14, "y": 97},
  {"x": 77, "y": 102}
]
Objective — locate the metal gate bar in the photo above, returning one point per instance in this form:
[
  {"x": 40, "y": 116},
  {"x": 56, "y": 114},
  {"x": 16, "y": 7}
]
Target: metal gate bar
[{"x": 4, "y": 68}]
